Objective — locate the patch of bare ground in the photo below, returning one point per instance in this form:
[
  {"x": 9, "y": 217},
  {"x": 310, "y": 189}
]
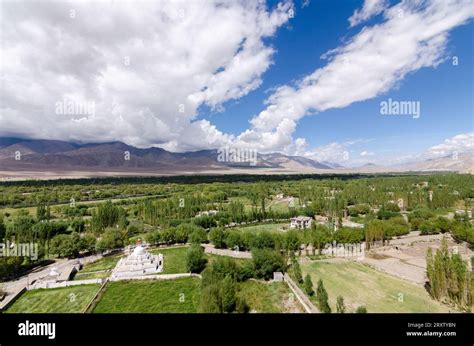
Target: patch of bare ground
[{"x": 405, "y": 257}]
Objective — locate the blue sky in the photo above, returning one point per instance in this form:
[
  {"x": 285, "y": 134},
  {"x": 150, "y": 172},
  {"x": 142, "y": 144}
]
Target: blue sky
[
  {"x": 445, "y": 92},
  {"x": 300, "y": 77}
]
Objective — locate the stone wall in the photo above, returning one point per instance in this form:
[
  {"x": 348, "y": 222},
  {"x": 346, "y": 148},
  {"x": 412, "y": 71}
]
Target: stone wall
[{"x": 37, "y": 285}]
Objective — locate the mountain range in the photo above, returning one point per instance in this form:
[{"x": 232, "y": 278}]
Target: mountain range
[{"x": 38, "y": 155}]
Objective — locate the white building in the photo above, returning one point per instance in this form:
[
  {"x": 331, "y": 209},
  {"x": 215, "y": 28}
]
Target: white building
[
  {"x": 301, "y": 222},
  {"x": 139, "y": 262},
  {"x": 278, "y": 277},
  {"x": 207, "y": 213}
]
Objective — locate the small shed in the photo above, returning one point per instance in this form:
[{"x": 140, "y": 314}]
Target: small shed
[{"x": 278, "y": 277}]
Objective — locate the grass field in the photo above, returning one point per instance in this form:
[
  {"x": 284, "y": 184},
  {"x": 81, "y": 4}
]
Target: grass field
[
  {"x": 92, "y": 275},
  {"x": 105, "y": 263},
  {"x": 264, "y": 227},
  {"x": 57, "y": 300},
  {"x": 361, "y": 285},
  {"x": 239, "y": 261},
  {"x": 164, "y": 296},
  {"x": 174, "y": 259},
  {"x": 267, "y": 298}
]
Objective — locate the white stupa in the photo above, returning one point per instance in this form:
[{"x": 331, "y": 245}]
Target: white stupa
[{"x": 139, "y": 262}]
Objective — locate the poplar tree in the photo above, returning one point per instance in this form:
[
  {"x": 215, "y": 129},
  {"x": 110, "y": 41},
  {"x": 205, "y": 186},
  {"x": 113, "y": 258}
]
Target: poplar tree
[
  {"x": 308, "y": 285},
  {"x": 340, "y": 307},
  {"x": 322, "y": 296}
]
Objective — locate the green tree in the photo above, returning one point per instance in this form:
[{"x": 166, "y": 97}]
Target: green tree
[
  {"x": 195, "y": 260},
  {"x": 217, "y": 237},
  {"x": 227, "y": 294},
  {"x": 266, "y": 262},
  {"x": 241, "y": 306},
  {"x": 219, "y": 291},
  {"x": 41, "y": 212},
  {"x": 66, "y": 245},
  {"x": 296, "y": 270},
  {"x": 308, "y": 285},
  {"x": 2, "y": 228},
  {"x": 292, "y": 241},
  {"x": 322, "y": 297},
  {"x": 340, "y": 307},
  {"x": 88, "y": 242},
  {"x": 210, "y": 301},
  {"x": 198, "y": 236},
  {"x": 153, "y": 237},
  {"x": 111, "y": 239},
  {"x": 361, "y": 310}
]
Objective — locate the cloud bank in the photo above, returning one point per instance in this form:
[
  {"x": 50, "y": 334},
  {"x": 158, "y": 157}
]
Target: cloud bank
[{"x": 146, "y": 68}]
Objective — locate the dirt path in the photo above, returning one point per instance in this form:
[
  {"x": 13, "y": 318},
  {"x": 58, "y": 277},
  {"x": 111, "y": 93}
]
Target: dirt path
[
  {"x": 226, "y": 252},
  {"x": 302, "y": 298}
]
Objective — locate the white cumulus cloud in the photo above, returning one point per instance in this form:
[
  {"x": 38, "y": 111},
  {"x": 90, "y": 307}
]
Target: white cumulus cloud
[
  {"x": 460, "y": 143},
  {"x": 369, "y": 9},
  {"x": 146, "y": 66}
]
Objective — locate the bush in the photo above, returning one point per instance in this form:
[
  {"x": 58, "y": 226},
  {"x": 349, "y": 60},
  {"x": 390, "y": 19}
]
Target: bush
[
  {"x": 195, "y": 260},
  {"x": 361, "y": 310}
]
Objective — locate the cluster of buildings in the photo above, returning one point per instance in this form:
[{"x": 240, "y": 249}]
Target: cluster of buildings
[
  {"x": 301, "y": 222},
  {"x": 207, "y": 213},
  {"x": 304, "y": 222}
]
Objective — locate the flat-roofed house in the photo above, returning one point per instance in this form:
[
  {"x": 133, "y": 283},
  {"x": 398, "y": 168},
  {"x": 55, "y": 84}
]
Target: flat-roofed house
[{"x": 301, "y": 222}]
